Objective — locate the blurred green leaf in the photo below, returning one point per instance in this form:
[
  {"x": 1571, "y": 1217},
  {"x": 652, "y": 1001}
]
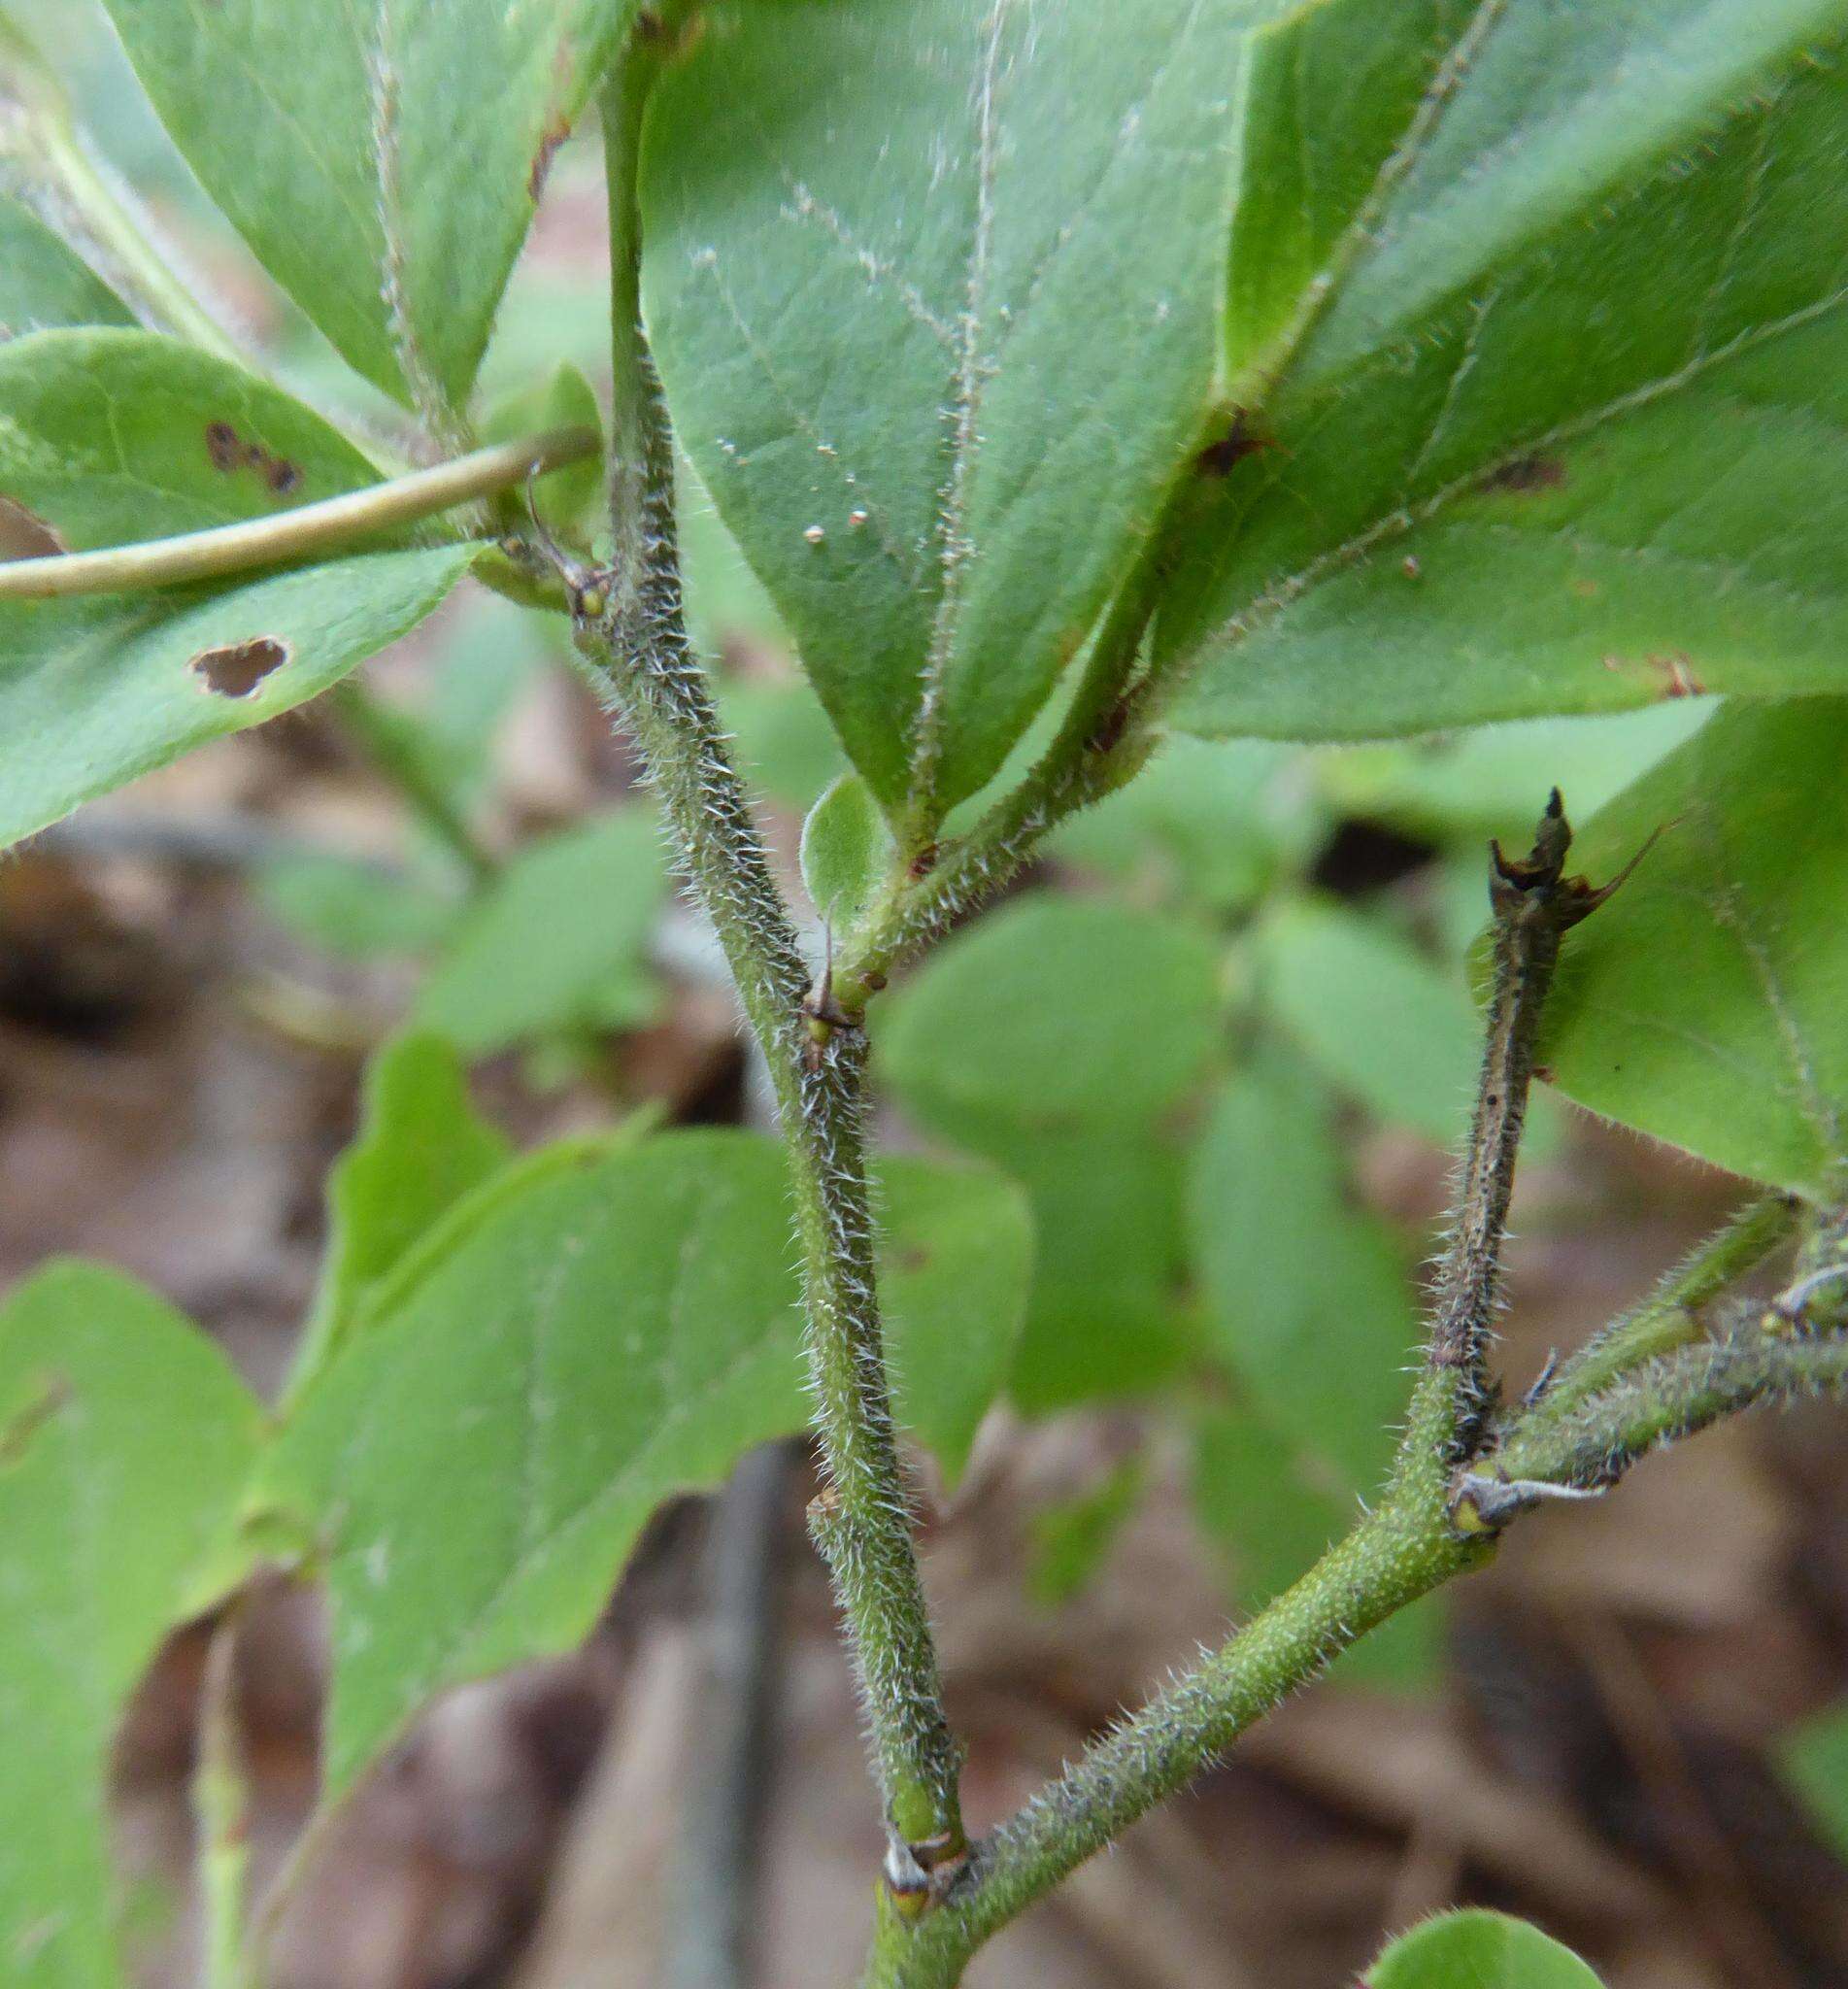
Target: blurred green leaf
[
  {"x": 383, "y": 163},
  {"x": 1071, "y": 1539},
  {"x": 1707, "y": 1002},
  {"x": 1210, "y": 823},
  {"x": 420, "y": 1149},
  {"x": 1307, "y": 1296},
  {"x": 1052, "y": 1016},
  {"x": 957, "y": 1256},
  {"x": 125, "y": 1446},
  {"x": 1813, "y": 1759},
  {"x": 572, "y": 500},
  {"x": 1382, "y": 1021},
  {"x": 982, "y": 213},
  {"x": 1477, "y": 1950},
  {"x": 559, "y": 940},
  {"x": 784, "y": 740},
  {"x": 356, "y": 909},
  {"x": 1540, "y": 307},
  {"x": 43, "y": 283},
  {"x": 847, "y": 852}
]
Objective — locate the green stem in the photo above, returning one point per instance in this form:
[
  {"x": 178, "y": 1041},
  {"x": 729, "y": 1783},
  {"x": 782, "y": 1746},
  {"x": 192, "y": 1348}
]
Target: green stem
[
  {"x": 1669, "y": 1317},
  {"x": 221, "y": 1801},
  {"x": 89, "y": 203},
  {"x": 389, "y": 740},
  {"x": 632, "y": 628},
  {"x": 299, "y": 534},
  {"x": 1391, "y": 1559}
]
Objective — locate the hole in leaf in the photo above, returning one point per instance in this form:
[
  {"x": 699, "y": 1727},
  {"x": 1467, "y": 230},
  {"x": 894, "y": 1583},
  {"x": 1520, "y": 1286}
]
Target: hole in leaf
[
  {"x": 24, "y": 535},
  {"x": 235, "y": 669}
]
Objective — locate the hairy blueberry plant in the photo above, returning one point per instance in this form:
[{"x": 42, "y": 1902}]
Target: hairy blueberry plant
[{"x": 1100, "y": 394}]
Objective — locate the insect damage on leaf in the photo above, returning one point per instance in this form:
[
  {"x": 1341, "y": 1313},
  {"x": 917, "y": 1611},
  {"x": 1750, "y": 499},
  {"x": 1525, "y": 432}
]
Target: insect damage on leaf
[
  {"x": 229, "y": 453},
  {"x": 1523, "y": 475},
  {"x": 234, "y": 669},
  {"x": 24, "y": 535},
  {"x": 1676, "y": 671}
]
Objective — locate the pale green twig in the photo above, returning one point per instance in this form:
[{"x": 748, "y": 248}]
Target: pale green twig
[{"x": 298, "y": 534}]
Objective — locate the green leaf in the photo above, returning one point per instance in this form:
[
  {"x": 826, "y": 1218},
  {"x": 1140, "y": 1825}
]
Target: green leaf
[
  {"x": 1071, "y": 1539},
  {"x": 1813, "y": 1759},
  {"x": 1053, "y": 1016},
  {"x": 479, "y": 1465},
  {"x": 938, "y": 324},
  {"x": 93, "y": 693},
  {"x": 1543, "y": 313},
  {"x": 1379, "y": 1017},
  {"x": 559, "y": 940},
  {"x": 420, "y": 1147},
  {"x": 126, "y": 1444},
  {"x": 381, "y": 160},
  {"x": 847, "y": 852},
  {"x": 1477, "y": 1950},
  {"x": 112, "y": 436},
  {"x": 351, "y": 907},
  {"x": 581, "y": 1335},
  {"x": 1307, "y": 1298},
  {"x": 957, "y": 1248},
  {"x": 43, "y": 283},
  {"x": 1273, "y": 1511},
  {"x": 570, "y": 500},
  {"x": 1707, "y": 1002}
]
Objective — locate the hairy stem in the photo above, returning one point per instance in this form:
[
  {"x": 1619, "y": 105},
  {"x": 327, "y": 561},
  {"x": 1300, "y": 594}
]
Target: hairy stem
[
  {"x": 632, "y": 628},
  {"x": 310, "y": 529}
]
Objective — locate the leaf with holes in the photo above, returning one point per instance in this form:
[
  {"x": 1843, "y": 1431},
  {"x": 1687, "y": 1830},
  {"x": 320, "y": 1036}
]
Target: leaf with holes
[
  {"x": 559, "y": 940},
  {"x": 1707, "y": 1002},
  {"x": 1543, "y": 315},
  {"x": 383, "y": 159},
  {"x": 112, "y": 436},
  {"x": 938, "y": 324},
  {"x": 126, "y": 1444},
  {"x": 1477, "y": 1950},
  {"x": 43, "y": 283},
  {"x": 576, "y": 1345}
]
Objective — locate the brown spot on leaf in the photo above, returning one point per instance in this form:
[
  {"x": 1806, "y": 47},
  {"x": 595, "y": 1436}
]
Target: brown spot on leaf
[
  {"x": 279, "y": 473},
  {"x": 1523, "y": 475},
  {"x": 222, "y": 445},
  {"x": 234, "y": 669},
  {"x": 231, "y": 453},
  {"x": 1679, "y": 673},
  {"x": 1218, "y": 458},
  {"x": 549, "y": 139},
  {"x": 24, "y": 535},
  {"x": 913, "y": 1258}
]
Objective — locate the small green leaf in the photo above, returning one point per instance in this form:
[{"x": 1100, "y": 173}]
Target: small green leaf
[
  {"x": 1053, "y": 1015},
  {"x": 1507, "y": 285},
  {"x": 420, "y": 1147},
  {"x": 1707, "y": 1002},
  {"x": 570, "y": 500},
  {"x": 93, "y": 693},
  {"x": 43, "y": 283},
  {"x": 559, "y": 940},
  {"x": 1070, "y": 1540},
  {"x": 957, "y": 1257},
  {"x": 939, "y": 334},
  {"x": 1380, "y": 1019},
  {"x": 383, "y": 161},
  {"x": 847, "y": 852},
  {"x": 1814, "y": 1761},
  {"x": 1477, "y": 1950},
  {"x": 125, "y": 1445},
  {"x": 1307, "y": 1297}
]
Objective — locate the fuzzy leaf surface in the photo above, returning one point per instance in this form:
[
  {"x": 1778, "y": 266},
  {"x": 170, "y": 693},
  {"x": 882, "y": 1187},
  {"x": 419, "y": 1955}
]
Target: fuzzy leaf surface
[
  {"x": 938, "y": 325},
  {"x": 1544, "y": 315},
  {"x": 1477, "y": 1949}
]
